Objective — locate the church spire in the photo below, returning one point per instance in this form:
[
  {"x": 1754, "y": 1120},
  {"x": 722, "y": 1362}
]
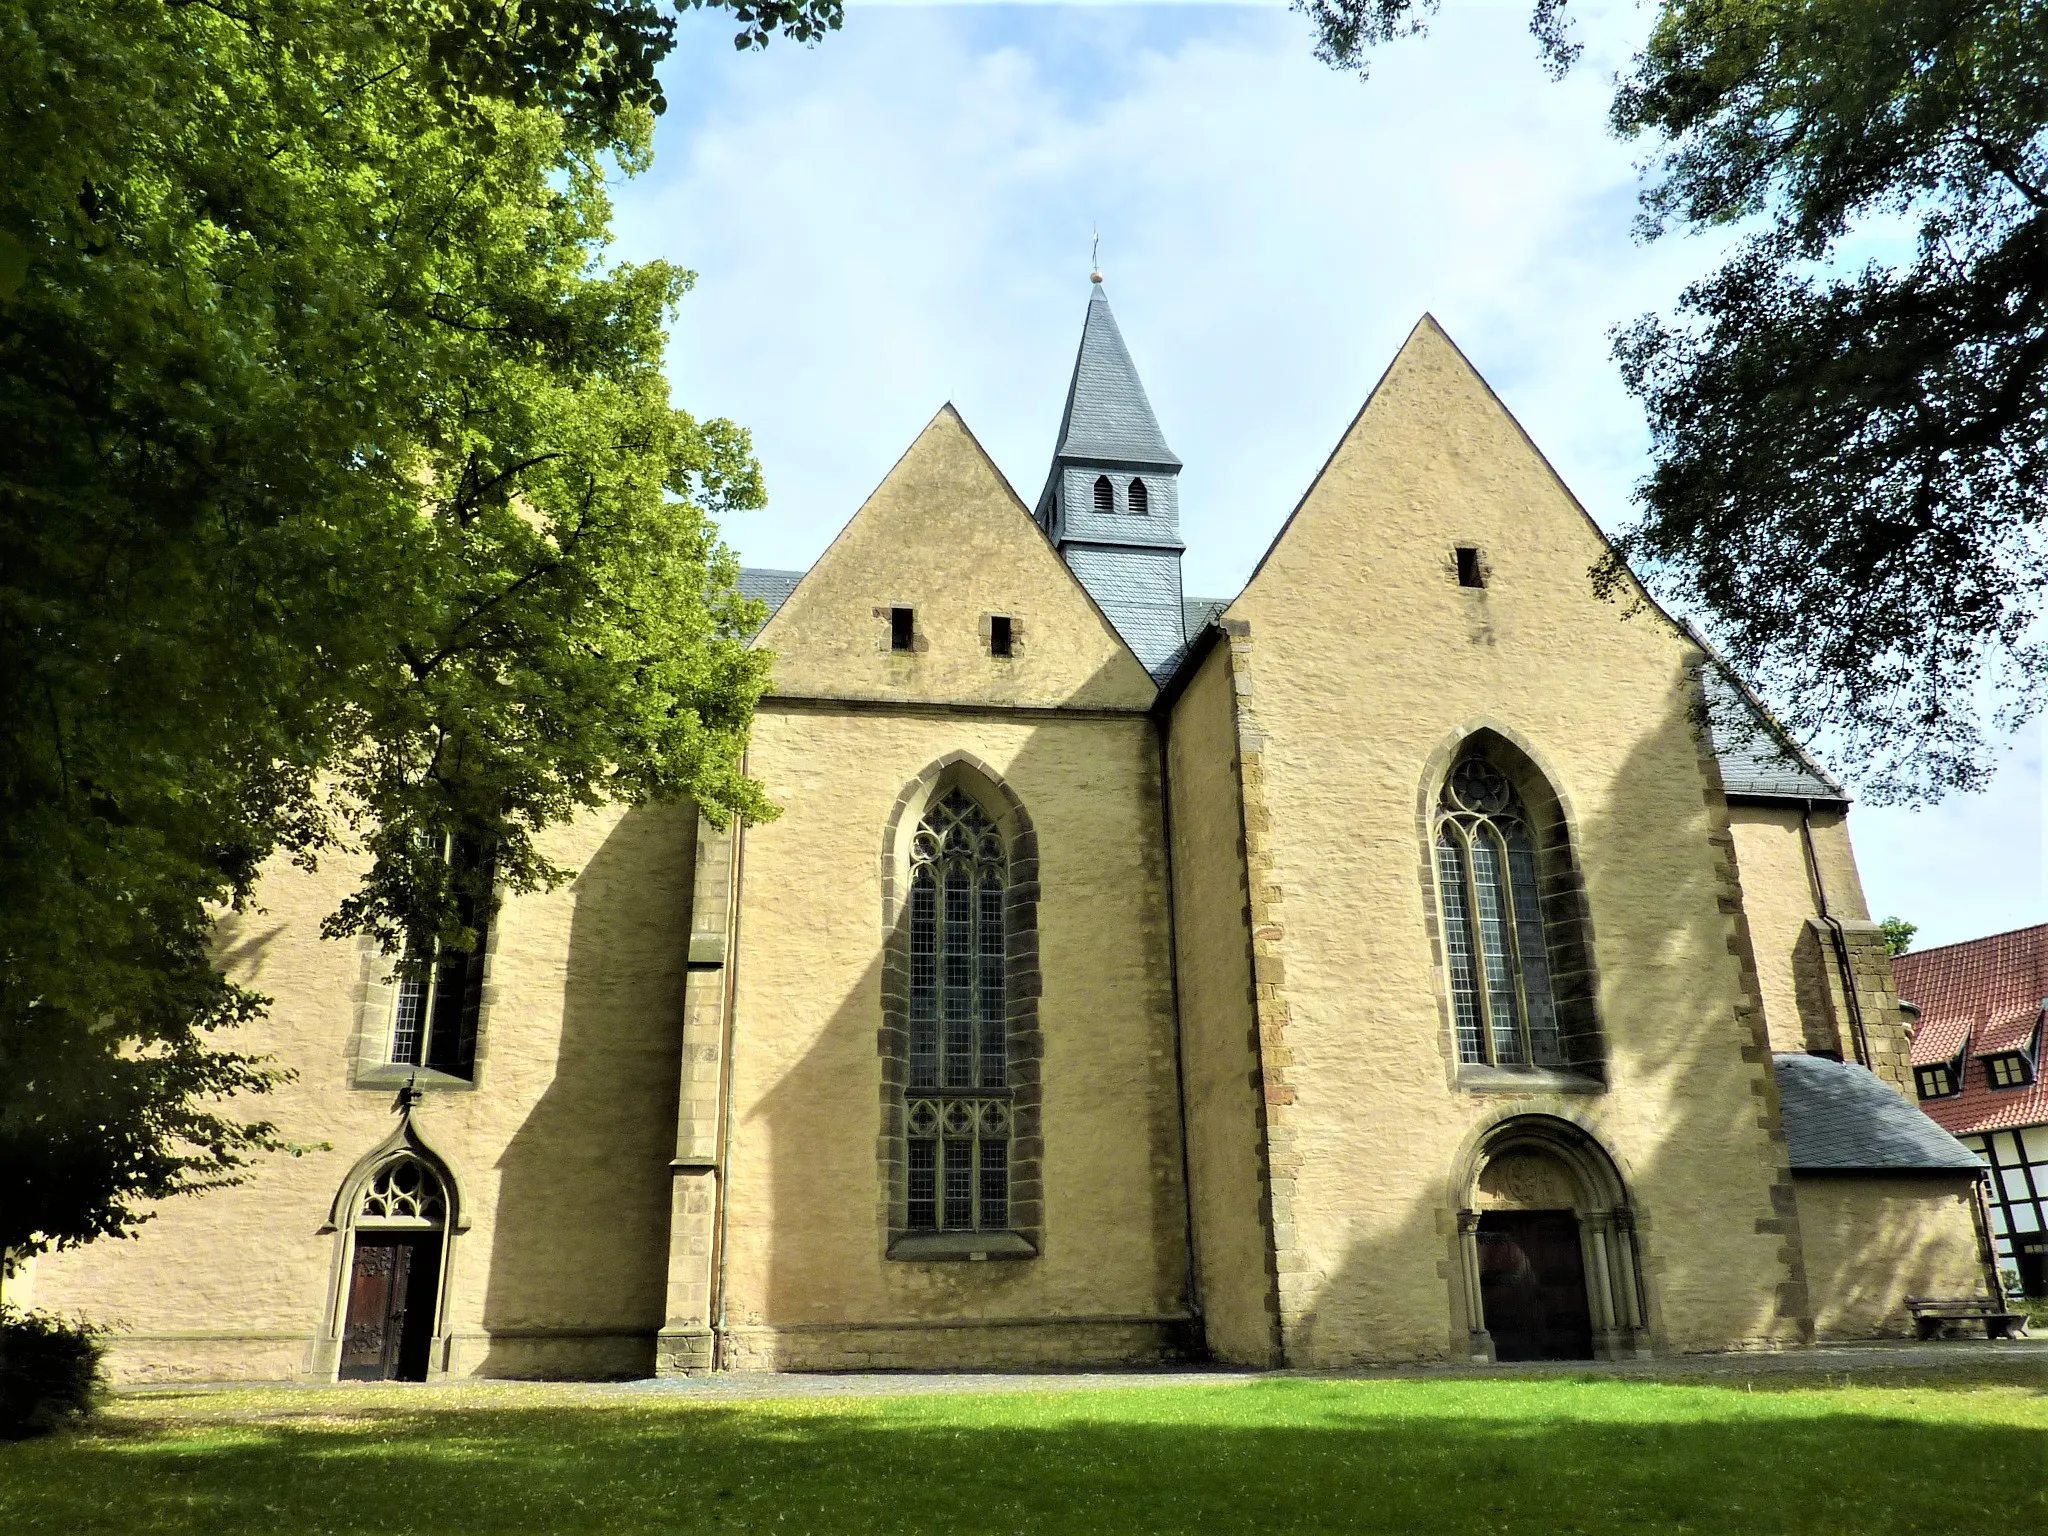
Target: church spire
[
  {"x": 1108, "y": 417},
  {"x": 1112, "y": 500}
]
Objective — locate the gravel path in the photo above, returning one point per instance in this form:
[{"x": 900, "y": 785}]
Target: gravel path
[{"x": 1957, "y": 1362}]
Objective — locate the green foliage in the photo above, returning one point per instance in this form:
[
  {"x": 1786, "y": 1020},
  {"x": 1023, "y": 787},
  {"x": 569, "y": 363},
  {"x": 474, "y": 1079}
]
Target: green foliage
[
  {"x": 1898, "y": 935},
  {"x": 342, "y": 506},
  {"x": 1852, "y": 464},
  {"x": 1520, "y": 1456},
  {"x": 49, "y": 1373},
  {"x": 1347, "y": 30},
  {"x": 1851, "y": 454}
]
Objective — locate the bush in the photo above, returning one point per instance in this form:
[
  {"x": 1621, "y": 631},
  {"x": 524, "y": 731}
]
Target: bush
[{"x": 49, "y": 1372}]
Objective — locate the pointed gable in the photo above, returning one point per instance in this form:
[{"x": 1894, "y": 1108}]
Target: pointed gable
[
  {"x": 945, "y": 536},
  {"x": 1108, "y": 417},
  {"x": 1434, "y": 463}
]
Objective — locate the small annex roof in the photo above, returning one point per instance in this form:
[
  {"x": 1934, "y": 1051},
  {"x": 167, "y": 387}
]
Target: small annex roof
[
  {"x": 1758, "y": 759},
  {"x": 1842, "y": 1118},
  {"x": 1108, "y": 418},
  {"x": 1980, "y": 998}
]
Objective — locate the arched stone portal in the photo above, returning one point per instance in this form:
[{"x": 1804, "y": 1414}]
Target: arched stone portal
[
  {"x": 1547, "y": 1240},
  {"x": 395, "y": 1219}
]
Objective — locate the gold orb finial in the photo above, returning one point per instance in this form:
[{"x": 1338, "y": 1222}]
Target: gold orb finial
[{"x": 1094, "y": 277}]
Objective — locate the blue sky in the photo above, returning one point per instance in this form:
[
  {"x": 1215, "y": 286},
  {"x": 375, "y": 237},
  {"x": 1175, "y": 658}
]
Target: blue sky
[{"x": 901, "y": 216}]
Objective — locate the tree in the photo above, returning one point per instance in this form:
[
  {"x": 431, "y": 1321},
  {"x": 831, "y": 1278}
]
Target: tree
[
  {"x": 1898, "y": 935},
  {"x": 342, "y": 509},
  {"x": 1851, "y": 452}
]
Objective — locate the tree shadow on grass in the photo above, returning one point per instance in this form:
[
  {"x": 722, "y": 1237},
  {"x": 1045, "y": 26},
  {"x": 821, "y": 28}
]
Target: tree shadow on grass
[{"x": 1536, "y": 1457}]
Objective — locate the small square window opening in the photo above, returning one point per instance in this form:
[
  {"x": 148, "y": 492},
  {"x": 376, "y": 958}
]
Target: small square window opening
[
  {"x": 1934, "y": 1083},
  {"x": 999, "y": 635},
  {"x": 1470, "y": 572},
  {"x": 2008, "y": 1071},
  {"x": 901, "y": 630}
]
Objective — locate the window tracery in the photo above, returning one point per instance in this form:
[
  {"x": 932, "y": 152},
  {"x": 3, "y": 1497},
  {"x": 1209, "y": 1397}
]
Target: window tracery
[
  {"x": 957, "y": 1102},
  {"x": 404, "y": 1192},
  {"x": 1503, "y": 1005}
]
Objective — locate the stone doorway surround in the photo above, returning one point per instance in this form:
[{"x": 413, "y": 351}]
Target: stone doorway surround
[{"x": 1543, "y": 1163}]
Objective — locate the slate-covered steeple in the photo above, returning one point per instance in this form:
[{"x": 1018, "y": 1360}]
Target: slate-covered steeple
[{"x": 1112, "y": 501}]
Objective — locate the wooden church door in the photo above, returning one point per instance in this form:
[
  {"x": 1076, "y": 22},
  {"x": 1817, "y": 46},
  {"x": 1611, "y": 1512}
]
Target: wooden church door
[
  {"x": 390, "y": 1326},
  {"x": 1532, "y": 1283}
]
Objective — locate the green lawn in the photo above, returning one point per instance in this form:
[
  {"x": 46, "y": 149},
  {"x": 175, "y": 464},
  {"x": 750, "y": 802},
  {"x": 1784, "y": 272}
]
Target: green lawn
[{"x": 1502, "y": 1455}]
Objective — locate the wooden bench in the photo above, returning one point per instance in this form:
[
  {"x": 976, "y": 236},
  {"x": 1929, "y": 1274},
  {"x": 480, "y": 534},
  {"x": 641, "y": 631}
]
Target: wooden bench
[{"x": 1931, "y": 1312}]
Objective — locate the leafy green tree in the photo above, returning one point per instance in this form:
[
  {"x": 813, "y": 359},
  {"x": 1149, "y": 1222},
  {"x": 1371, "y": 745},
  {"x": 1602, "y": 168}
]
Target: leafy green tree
[
  {"x": 1851, "y": 450},
  {"x": 342, "y": 508},
  {"x": 1898, "y": 935}
]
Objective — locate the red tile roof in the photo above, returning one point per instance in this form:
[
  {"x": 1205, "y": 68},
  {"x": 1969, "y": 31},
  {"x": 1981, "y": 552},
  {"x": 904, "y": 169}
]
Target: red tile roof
[{"x": 1987, "y": 992}]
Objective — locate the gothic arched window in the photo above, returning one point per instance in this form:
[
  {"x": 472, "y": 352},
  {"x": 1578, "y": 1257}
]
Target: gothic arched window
[
  {"x": 1141, "y": 499},
  {"x": 1105, "y": 494},
  {"x": 957, "y": 1110},
  {"x": 1495, "y": 945}
]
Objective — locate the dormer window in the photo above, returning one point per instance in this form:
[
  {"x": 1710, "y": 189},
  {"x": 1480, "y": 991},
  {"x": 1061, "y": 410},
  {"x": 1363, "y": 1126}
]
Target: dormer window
[
  {"x": 1141, "y": 499},
  {"x": 1105, "y": 494},
  {"x": 1935, "y": 1082},
  {"x": 2008, "y": 1069}
]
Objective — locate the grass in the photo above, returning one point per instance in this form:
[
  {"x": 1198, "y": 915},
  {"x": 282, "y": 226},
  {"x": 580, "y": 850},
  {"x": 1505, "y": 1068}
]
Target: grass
[{"x": 1535, "y": 1455}]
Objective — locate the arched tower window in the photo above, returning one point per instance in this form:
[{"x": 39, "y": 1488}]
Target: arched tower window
[
  {"x": 957, "y": 1111},
  {"x": 1105, "y": 494},
  {"x": 1141, "y": 499},
  {"x": 1496, "y": 946}
]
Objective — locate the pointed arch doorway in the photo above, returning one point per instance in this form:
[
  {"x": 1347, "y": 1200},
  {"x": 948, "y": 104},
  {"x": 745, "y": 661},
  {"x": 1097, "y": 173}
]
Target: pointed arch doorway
[
  {"x": 1549, "y": 1249},
  {"x": 393, "y": 1287}
]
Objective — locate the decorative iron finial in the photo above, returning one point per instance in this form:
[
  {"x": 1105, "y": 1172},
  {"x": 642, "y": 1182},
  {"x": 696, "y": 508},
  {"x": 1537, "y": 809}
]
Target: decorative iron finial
[
  {"x": 408, "y": 1096},
  {"x": 1095, "y": 257}
]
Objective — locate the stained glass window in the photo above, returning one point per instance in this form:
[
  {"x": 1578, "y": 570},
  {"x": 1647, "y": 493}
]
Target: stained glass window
[
  {"x": 1502, "y": 1003},
  {"x": 957, "y": 1109}
]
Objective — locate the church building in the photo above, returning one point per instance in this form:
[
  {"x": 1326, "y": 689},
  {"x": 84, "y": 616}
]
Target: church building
[{"x": 1413, "y": 957}]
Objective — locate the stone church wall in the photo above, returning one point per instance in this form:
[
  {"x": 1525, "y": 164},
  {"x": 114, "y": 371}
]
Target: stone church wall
[
  {"x": 1872, "y": 1241},
  {"x": 1368, "y": 662},
  {"x": 1219, "y": 1030},
  {"x": 1778, "y": 896},
  {"x": 808, "y": 1280},
  {"x": 560, "y": 1148}
]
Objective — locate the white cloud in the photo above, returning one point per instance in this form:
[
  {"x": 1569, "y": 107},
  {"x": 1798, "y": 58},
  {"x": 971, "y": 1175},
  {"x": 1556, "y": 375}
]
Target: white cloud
[{"x": 901, "y": 215}]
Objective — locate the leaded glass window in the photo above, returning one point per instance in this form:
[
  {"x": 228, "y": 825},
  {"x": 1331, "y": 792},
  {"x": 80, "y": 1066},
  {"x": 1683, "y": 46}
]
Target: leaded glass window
[
  {"x": 1502, "y": 1003},
  {"x": 957, "y": 1108},
  {"x": 440, "y": 993}
]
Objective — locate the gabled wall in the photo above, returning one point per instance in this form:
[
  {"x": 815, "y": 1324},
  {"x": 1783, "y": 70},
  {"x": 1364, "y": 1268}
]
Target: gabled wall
[{"x": 1366, "y": 663}]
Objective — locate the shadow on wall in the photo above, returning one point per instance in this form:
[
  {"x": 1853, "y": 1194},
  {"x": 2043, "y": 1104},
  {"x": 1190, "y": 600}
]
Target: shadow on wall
[
  {"x": 1873, "y": 1240},
  {"x": 1687, "y": 1079},
  {"x": 579, "y": 1253},
  {"x": 1114, "y": 1213},
  {"x": 1446, "y": 1457}
]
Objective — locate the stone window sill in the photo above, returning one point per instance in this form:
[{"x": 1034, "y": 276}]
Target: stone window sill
[
  {"x": 396, "y": 1075},
  {"x": 1473, "y": 1079},
  {"x": 952, "y": 1247}
]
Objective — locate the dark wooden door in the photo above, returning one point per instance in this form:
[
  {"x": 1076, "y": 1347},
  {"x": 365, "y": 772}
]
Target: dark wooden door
[
  {"x": 390, "y": 1326},
  {"x": 1532, "y": 1282}
]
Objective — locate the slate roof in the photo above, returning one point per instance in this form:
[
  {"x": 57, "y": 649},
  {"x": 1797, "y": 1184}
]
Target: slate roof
[
  {"x": 1756, "y": 756},
  {"x": 770, "y": 587},
  {"x": 1840, "y": 1117},
  {"x": 1977, "y": 999},
  {"x": 1107, "y": 416},
  {"x": 1198, "y": 613}
]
